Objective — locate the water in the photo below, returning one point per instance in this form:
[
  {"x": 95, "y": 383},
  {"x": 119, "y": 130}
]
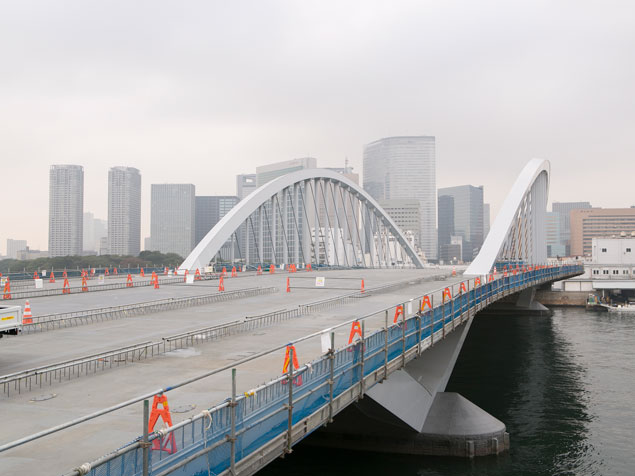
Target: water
[{"x": 564, "y": 386}]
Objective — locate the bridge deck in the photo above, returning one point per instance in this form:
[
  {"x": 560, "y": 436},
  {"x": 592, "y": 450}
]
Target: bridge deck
[{"x": 80, "y": 396}]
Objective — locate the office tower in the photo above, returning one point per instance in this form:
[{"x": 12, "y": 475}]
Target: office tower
[
  {"x": 66, "y": 208},
  {"x": 589, "y": 223},
  {"x": 15, "y": 246},
  {"x": 209, "y": 211},
  {"x": 172, "y": 218},
  {"x": 555, "y": 246},
  {"x": 124, "y": 211},
  {"x": 468, "y": 216},
  {"x": 563, "y": 209},
  {"x": 446, "y": 229},
  {"x": 406, "y": 213},
  {"x": 94, "y": 230},
  {"x": 486, "y": 220},
  {"x": 404, "y": 168},
  {"x": 245, "y": 184},
  {"x": 266, "y": 173}
]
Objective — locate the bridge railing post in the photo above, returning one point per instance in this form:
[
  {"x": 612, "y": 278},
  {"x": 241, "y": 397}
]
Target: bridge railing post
[
  {"x": 453, "y": 308},
  {"x": 290, "y": 403},
  {"x": 361, "y": 365},
  {"x": 232, "y": 438},
  {"x": 403, "y": 335},
  {"x": 386, "y": 345},
  {"x": 431, "y": 319},
  {"x": 419, "y": 329},
  {"x": 331, "y": 375},
  {"x": 144, "y": 443}
]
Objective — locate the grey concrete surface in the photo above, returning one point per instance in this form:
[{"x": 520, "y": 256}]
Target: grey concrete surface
[{"x": 77, "y": 397}]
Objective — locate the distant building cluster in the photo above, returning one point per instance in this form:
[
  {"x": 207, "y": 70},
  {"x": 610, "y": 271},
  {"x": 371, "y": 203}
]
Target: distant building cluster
[{"x": 448, "y": 225}]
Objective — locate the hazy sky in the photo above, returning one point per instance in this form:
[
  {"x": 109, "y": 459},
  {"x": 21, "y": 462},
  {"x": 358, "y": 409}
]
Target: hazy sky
[{"x": 197, "y": 92}]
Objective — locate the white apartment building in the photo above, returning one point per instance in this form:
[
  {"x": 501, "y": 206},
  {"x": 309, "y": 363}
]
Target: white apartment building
[{"x": 66, "y": 209}]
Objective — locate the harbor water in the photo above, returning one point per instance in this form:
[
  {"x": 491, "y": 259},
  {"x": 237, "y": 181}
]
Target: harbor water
[{"x": 564, "y": 386}]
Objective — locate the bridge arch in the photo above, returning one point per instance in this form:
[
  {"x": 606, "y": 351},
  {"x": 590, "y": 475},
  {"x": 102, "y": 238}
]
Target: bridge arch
[
  {"x": 314, "y": 216},
  {"x": 519, "y": 231}
]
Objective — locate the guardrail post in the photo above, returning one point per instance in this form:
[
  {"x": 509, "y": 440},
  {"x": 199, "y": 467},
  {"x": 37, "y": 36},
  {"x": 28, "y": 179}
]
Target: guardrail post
[
  {"x": 362, "y": 349},
  {"x": 290, "y": 404},
  {"x": 452, "y": 308},
  {"x": 145, "y": 444},
  {"x": 403, "y": 335},
  {"x": 331, "y": 375},
  {"x": 232, "y": 438},
  {"x": 419, "y": 330},
  {"x": 386, "y": 347},
  {"x": 431, "y": 319}
]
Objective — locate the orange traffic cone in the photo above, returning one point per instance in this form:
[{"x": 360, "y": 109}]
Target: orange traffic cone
[
  {"x": 197, "y": 275},
  {"x": 167, "y": 444},
  {"x": 288, "y": 286},
  {"x": 67, "y": 287},
  {"x": 398, "y": 312},
  {"x": 7, "y": 290},
  {"x": 272, "y": 269},
  {"x": 84, "y": 284},
  {"x": 224, "y": 271},
  {"x": 362, "y": 290},
  {"x": 156, "y": 283},
  {"x": 129, "y": 281},
  {"x": 143, "y": 275},
  {"x": 234, "y": 272},
  {"x": 221, "y": 284},
  {"x": 64, "y": 274},
  {"x": 453, "y": 270},
  {"x": 259, "y": 272},
  {"x": 356, "y": 329},
  {"x": 107, "y": 272},
  {"x": 52, "y": 277},
  {"x": 28, "y": 317},
  {"x": 288, "y": 361},
  {"x": 35, "y": 275},
  {"x": 114, "y": 271},
  {"x": 308, "y": 267},
  {"x": 165, "y": 273}
]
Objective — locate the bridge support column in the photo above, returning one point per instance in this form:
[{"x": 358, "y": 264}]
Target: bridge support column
[
  {"x": 523, "y": 302},
  {"x": 409, "y": 412}
]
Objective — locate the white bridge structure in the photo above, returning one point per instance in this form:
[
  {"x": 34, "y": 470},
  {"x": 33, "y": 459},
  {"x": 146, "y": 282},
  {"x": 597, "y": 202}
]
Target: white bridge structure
[
  {"x": 312, "y": 216},
  {"x": 319, "y": 216}
]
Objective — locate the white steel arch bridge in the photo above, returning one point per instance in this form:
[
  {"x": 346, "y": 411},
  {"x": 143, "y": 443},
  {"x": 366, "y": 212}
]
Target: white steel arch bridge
[
  {"x": 319, "y": 216},
  {"x": 315, "y": 216}
]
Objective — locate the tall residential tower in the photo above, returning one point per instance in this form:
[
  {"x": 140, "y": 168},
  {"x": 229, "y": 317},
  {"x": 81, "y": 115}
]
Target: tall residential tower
[
  {"x": 172, "y": 218},
  {"x": 124, "y": 211},
  {"x": 66, "y": 210},
  {"x": 405, "y": 168}
]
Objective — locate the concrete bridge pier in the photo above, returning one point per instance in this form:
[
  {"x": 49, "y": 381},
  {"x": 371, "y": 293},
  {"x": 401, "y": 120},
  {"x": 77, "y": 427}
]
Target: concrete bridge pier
[
  {"x": 411, "y": 413},
  {"x": 523, "y": 301}
]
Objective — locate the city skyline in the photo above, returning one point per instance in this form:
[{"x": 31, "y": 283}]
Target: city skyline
[{"x": 272, "y": 91}]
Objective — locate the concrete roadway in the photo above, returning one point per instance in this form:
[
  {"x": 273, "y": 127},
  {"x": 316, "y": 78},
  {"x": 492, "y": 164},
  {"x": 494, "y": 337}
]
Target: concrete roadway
[{"x": 80, "y": 396}]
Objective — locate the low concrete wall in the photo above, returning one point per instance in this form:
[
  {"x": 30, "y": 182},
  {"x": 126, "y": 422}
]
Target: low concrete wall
[{"x": 562, "y": 298}]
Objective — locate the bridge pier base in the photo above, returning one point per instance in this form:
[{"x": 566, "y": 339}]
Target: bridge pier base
[
  {"x": 524, "y": 301},
  {"x": 454, "y": 427},
  {"x": 411, "y": 413}
]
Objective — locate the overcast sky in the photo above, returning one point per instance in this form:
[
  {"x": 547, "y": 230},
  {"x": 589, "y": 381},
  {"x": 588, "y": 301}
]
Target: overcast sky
[{"x": 197, "y": 92}]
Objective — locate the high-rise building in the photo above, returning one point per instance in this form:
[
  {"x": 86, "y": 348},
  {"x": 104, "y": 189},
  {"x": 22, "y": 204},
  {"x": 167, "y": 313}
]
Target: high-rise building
[
  {"x": 209, "y": 210},
  {"x": 14, "y": 247},
  {"x": 555, "y": 246},
  {"x": 266, "y": 173},
  {"x": 446, "y": 219},
  {"x": 468, "y": 216},
  {"x": 405, "y": 168},
  {"x": 94, "y": 230},
  {"x": 245, "y": 184},
  {"x": 486, "y": 220},
  {"x": 66, "y": 209},
  {"x": 563, "y": 209},
  {"x": 124, "y": 211},
  {"x": 589, "y": 223},
  {"x": 172, "y": 218},
  {"x": 404, "y": 212}
]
